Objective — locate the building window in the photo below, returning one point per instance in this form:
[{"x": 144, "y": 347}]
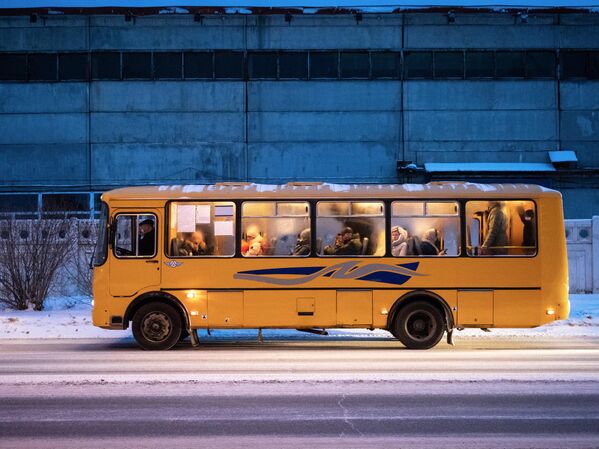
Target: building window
[
  {"x": 293, "y": 65},
  {"x": 355, "y": 228},
  {"x": 199, "y": 229},
  {"x": 42, "y": 67},
  {"x": 594, "y": 65},
  {"x": 385, "y": 64},
  {"x": 324, "y": 65},
  {"x": 573, "y": 64},
  {"x": 13, "y": 67},
  {"x": 501, "y": 228},
  {"x": 73, "y": 67},
  {"x": 137, "y": 65},
  {"x": 23, "y": 206},
  {"x": 509, "y": 64},
  {"x": 228, "y": 65},
  {"x": 106, "y": 66},
  {"x": 418, "y": 65},
  {"x": 168, "y": 65},
  {"x": 57, "y": 204},
  {"x": 199, "y": 65},
  {"x": 480, "y": 64},
  {"x": 355, "y": 65},
  {"x": 449, "y": 64},
  {"x": 425, "y": 228},
  {"x": 540, "y": 64},
  {"x": 275, "y": 228},
  {"x": 262, "y": 65}
]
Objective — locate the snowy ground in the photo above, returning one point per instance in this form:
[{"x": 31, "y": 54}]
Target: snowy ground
[{"x": 71, "y": 318}]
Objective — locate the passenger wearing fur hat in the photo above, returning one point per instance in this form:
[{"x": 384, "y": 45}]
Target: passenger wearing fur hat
[{"x": 399, "y": 241}]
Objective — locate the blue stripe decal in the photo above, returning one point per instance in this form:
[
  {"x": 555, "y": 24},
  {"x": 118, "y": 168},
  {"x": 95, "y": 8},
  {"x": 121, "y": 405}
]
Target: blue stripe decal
[
  {"x": 352, "y": 270},
  {"x": 410, "y": 266},
  {"x": 385, "y": 277}
]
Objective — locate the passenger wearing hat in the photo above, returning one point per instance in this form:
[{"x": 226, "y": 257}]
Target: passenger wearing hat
[
  {"x": 350, "y": 243},
  {"x": 147, "y": 238},
  {"x": 399, "y": 241}
]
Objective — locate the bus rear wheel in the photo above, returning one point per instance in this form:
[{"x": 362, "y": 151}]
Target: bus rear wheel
[
  {"x": 419, "y": 325},
  {"x": 156, "y": 326}
]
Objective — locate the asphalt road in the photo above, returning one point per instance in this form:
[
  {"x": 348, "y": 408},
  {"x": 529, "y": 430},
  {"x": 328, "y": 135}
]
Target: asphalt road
[{"x": 346, "y": 394}]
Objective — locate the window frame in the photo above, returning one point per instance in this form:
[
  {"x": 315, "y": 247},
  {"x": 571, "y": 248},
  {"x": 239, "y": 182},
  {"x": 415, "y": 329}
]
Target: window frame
[
  {"x": 167, "y": 217},
  {"x": 461, "y": 236},
  {"x": 501, "y": 256},
  {"x": 385, "y": 215},
  {"x": 112, "y": 236},
  {"x": 309, "y": 216}
]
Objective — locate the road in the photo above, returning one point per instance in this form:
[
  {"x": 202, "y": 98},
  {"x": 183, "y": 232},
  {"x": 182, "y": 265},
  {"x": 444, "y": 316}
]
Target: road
[{"x": 278, "y": 394}]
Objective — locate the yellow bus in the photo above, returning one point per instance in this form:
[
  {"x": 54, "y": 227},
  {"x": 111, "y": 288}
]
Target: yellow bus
[{"x": 417, "y": 260}]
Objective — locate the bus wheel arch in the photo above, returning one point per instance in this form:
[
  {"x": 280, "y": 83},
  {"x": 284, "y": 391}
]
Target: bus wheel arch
[
  {"x": 420, "y": 306},
  {"x": 160, "y": 297}
]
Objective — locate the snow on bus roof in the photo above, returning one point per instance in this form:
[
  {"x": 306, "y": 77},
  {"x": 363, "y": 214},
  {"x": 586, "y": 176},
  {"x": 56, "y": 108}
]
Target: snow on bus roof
[
  {"x": 305, "y": 6},
  {"x": 323, "y": 190}
]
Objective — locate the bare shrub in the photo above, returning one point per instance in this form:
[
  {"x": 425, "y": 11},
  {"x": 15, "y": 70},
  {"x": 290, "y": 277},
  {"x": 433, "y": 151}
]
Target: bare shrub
[
  {"x": 80, "y": 271},
  {"x": 31, "y": 252}
]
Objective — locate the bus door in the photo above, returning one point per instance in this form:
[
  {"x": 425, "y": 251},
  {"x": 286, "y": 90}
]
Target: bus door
[{"x": 135, "y": 262}]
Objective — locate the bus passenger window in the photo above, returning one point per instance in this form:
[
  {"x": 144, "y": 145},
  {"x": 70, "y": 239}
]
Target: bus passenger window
[
  {"x": 201, "y": 229},
  {"x": 501, "y": 228},
  {"x": 275, "y": 228},
  {"x": 425, "y": 228},
  {"x": 350, "y": 228},
  {"x": 135, "y": 236}
]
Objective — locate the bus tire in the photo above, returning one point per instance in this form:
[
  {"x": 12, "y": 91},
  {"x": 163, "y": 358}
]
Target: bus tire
[
  {"x": 156, "y": 326},
  {"x": 419, "y": 325}
]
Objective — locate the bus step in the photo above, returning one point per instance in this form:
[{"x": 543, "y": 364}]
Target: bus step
[{"x": 314, "y": 331}]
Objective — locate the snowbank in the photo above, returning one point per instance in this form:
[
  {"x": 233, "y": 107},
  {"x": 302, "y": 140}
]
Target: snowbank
[{"x": 70, "y": 317}]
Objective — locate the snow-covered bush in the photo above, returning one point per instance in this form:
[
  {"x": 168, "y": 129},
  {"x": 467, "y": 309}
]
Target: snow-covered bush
[{"x": 31, "y": 252}]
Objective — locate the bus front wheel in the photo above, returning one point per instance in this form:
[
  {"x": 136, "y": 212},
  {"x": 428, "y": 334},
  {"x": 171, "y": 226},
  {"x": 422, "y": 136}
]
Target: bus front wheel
[
  {"x": 419, "y": 325},
  {"x": 156, "y": 326}
]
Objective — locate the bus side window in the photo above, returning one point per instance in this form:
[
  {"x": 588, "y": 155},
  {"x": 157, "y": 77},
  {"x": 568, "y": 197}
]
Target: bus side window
[
  {"x": 275, "y": 228},
  {"x": 506, "y": 228},
  {"x": 425, "y": 228},
  {"x": 350, "y": 228},
  {"x": 135, "y": 235},
  {"x": 201, "y": 229}
]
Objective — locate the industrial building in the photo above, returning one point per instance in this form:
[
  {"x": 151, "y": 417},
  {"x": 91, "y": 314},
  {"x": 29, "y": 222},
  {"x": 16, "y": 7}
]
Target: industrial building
[{"x": 96, "y": 97}]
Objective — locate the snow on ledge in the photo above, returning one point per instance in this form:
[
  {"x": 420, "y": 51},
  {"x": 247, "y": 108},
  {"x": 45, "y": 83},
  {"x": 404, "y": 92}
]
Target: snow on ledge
[{"x": 309, "y": 6}]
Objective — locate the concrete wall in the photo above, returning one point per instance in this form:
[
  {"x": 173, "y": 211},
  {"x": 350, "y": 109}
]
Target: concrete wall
[{"x": 100, "y": 134}]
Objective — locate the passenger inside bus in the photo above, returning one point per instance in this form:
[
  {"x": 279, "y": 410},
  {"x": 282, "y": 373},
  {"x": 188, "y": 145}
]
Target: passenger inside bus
[
  {"x": 399, "y": 241},
  {"x": 255, "y": 244},
  {"x": 346, "y": 244},
  {"x": 302, "y": 246},
  {"x": 194, "y": 244},
  {"x": 496, "y": 240}
]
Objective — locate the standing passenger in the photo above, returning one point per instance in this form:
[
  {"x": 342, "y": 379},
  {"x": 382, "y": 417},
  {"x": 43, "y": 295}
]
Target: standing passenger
[{"x": 496, "y": 239}]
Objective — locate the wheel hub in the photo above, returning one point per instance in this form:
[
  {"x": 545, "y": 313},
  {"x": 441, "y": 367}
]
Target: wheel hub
[{"x": 156, "y": 326}]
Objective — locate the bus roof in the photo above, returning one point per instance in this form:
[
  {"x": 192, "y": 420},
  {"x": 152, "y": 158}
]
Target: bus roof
[{"x": 303, "y": 190}]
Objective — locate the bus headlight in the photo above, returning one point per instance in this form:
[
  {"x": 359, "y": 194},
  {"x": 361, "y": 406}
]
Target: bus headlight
[{"x": 550, "y": 311}]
